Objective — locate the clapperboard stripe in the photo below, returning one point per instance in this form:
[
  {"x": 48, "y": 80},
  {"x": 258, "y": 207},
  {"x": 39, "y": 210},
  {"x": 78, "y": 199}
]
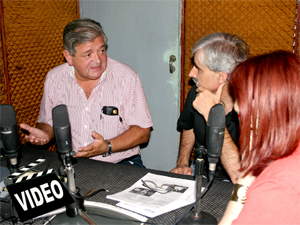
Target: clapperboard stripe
[
  {"x": 20, "y": 179},
  {"x": 23, "y": 170}
]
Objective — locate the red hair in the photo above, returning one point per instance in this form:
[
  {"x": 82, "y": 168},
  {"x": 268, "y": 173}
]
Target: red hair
[{"x": 267, "y": 89}]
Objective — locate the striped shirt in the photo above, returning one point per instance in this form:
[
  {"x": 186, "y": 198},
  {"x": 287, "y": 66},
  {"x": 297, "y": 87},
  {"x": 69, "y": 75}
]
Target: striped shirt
[{"x": 119, "y": 86}]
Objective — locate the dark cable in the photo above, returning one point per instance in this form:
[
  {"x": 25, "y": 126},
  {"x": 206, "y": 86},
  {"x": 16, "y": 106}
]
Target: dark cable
[{"x": 86, "y": 196}]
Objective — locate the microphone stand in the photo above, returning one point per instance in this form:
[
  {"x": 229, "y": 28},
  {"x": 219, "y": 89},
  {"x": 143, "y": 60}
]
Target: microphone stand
[
  {"x": 8, "y": 210},
  {"x": 12, "y": 160},
  {"x": 73, "y": 209},
  {"x": 11, "y": 151},
  {"x": 196, "y": 216}
]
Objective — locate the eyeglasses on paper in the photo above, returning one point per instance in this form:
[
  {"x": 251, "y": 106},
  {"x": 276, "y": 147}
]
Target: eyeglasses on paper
[{"x": 164, "y": 188}]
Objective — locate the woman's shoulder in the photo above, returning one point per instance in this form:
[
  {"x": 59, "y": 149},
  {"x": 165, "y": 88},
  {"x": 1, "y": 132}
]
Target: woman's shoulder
[{"x": 284, "y": 171}]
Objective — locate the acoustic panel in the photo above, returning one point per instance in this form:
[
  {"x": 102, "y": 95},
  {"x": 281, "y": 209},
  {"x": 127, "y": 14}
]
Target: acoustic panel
[
  {"x": 33, "y": 43},
  {"x": 266, "y": 25}
]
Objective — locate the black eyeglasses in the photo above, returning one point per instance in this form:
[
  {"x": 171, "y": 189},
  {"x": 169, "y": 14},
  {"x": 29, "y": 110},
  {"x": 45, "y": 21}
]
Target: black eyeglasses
[{"x": 163, "y": 189}]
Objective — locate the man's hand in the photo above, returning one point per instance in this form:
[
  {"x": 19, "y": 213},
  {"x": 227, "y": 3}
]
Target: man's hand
[
  {"x": 97, "y": 147},
  {"x": 132, "y": 137},
  {"x": 187, "y": 140},
  {"x": 205, "y": 100},
  {"x": 186, "y": 170},
  {"x": 37, "y": 136}
]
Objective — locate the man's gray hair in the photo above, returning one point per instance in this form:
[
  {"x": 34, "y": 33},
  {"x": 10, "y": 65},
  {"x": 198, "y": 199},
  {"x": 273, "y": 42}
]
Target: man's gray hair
[
  {"x": 221, "y": 52},
  {"x": 81, "y": 31}
]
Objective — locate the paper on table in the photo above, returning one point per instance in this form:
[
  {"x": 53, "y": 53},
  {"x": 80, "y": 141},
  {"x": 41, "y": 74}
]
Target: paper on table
[{"x": 145, "y": 201}]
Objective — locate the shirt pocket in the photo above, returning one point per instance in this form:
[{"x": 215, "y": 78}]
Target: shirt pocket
[{"x": 111, "y": 126}]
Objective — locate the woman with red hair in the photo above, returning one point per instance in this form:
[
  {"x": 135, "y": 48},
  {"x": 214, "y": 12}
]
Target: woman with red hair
[{"x": 267, "y": 91}]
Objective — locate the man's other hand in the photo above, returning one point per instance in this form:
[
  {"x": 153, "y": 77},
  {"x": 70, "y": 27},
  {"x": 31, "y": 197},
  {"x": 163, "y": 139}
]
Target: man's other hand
[
  {"x": 205, "y": 100},
  {"x": 34, "y": 135},
  {"x": 97, "y": 147},
  {"x": 186, "y": 170}
]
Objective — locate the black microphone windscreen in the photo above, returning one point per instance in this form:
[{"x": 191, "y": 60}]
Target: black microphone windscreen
[
  {"x": 60, "y": 116},
  {"x": 215, "y": 131},
  {"x": 8, "y": 115},
  {"x": 61, "y": 128},
  {"x": 9, "y": 130}
]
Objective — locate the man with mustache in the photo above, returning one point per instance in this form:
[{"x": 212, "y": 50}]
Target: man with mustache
[{"x": 215, "y": 56}]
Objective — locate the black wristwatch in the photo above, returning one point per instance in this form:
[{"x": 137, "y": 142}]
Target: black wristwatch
[{"x": 109, "y": 149}]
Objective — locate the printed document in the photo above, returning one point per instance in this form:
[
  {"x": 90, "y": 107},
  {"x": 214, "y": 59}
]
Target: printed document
[{"x": 154, "y": 195}]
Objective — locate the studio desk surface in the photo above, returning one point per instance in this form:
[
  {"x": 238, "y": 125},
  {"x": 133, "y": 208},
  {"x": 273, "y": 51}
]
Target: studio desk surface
[{"x": 91, "y": 174}]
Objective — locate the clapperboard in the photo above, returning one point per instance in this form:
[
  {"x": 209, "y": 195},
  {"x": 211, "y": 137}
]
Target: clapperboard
[{"x": 38, "y": 193}]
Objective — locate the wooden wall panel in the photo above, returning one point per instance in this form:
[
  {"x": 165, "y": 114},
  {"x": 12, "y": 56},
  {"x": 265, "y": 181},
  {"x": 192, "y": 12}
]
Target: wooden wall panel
[
  {"x": 3, "y": 82},
  {"x": 33, "y": 45},
  {"x": 266, "y": 25}
]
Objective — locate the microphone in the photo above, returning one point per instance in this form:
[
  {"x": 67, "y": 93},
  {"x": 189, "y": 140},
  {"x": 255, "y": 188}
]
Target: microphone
[
  {"x": 214, "y": 141},
  {"x": 10, "y": 135},
  {"x": 62, "y": 133},
  {"x": 214, "y": 137},
  {"x": 61, "y": 128}
]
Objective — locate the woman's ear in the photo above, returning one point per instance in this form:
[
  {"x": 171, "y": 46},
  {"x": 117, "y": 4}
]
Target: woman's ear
[
  {"x": 222, "y": 77},
  {"x": 68, "y": 57}
]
